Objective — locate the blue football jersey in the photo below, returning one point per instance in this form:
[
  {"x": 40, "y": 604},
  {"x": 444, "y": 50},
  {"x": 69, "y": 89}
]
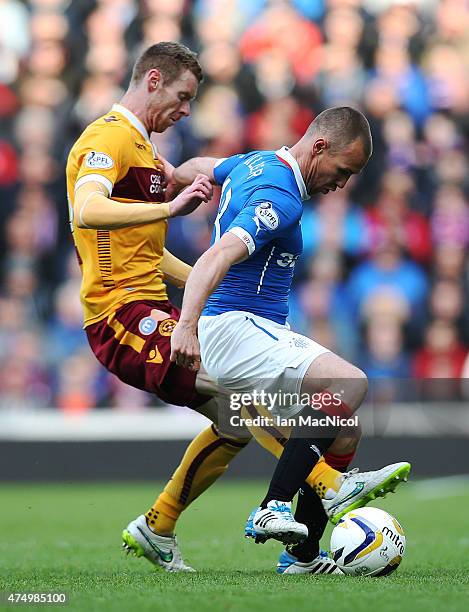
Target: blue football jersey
[{"x": 261, "y": 203}]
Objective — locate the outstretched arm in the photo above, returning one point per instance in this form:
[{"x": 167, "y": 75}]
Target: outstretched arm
[
  {"x": 186, "y": 172},
  {"x": 215, "y": 169},
  {"x": 205, "y": 277}
]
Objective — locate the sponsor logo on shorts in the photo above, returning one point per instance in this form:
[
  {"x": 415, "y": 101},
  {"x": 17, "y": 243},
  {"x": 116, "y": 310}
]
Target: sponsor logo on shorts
[
  {"x": 267, "y": 215},
  {"x": 166, "y": 327},
  {"x": 301, "y": 342},
  {"x": 147, "y": 326},
  {"x": 95, "y": 159},
  {"x": 154, "y": 356}
]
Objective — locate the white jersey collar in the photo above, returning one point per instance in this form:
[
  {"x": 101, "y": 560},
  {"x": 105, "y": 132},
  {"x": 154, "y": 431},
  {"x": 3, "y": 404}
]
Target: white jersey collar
[
  {"x": 135, "y": 121},
  {"x": 284, "y": 153}
]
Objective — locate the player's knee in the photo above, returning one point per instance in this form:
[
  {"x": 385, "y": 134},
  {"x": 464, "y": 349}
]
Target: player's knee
[
  {"x": 356, "y": 432},
  {"x": 335, "y": 375},
  {"x": 353, "y": 385},
  {"x": 360, "y": 382},
  {"x": 360, "y": 390}
]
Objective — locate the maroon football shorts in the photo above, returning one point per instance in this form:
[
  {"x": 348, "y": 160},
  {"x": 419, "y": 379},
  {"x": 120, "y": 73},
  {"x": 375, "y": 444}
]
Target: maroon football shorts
[{"x": 134, "y": 343}]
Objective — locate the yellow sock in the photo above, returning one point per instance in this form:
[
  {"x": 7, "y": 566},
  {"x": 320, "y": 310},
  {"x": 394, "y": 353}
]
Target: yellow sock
[
  {"x": 271, "y": 437},
  {"x": 324, "y": 479},
  {"x": 205, "y": 460}
]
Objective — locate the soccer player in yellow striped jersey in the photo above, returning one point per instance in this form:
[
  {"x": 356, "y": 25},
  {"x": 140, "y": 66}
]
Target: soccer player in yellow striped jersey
[
  {"x": 121, "y": 260},
  {"x": 114, "y": 156},
  {"x": 116, "y": 183}
]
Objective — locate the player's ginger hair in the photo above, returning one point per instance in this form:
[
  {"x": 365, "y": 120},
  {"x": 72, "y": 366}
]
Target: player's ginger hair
[{"x": 170, "y": 58}]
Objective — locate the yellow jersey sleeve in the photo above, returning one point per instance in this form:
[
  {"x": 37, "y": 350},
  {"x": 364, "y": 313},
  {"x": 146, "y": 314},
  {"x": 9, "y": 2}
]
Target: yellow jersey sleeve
[{"x": 102, "y": 154}]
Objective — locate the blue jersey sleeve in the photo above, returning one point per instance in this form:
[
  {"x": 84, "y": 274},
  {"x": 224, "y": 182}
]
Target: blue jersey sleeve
[
  {"x": 267, "y": 215},
  {"x": 225, "y": 166}
]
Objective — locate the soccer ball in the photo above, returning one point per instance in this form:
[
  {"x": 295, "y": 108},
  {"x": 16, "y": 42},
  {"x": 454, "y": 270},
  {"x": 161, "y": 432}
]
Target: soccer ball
[{"x": 368, "y": 542}]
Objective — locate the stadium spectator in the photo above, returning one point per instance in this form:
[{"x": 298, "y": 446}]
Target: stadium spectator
[
  {"x": 439, "y": 363},
  {"x": 319, "y": 306},
  {"x": 384, "y": 356},
  {"x": 389, "y": 271},
  {"x": 393, "y": 214}
]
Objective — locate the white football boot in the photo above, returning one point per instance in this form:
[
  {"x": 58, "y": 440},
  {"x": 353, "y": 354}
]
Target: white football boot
[
  {"x": 162, "y": 551},
  {"x": 322, "y": 564},
  {"x": 277, "y": 522},
  {"x": 359, "y": 488}
]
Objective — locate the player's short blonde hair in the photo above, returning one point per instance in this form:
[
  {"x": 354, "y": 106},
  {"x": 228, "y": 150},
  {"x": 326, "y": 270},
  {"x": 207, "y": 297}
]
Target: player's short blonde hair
[{"x": 171, "y": 59}]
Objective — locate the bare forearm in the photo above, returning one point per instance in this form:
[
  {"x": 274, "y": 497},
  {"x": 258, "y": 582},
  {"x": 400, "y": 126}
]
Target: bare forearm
[
  {"x": 205, "y": 277},
  {"x": 186, "y": 172}
]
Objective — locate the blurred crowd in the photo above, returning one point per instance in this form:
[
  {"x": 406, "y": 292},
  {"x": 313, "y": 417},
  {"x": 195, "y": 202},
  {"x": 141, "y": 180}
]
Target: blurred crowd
[{"x": 384, "y": 277}]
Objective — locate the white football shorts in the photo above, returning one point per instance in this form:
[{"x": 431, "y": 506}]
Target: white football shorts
[{"x": 244, "y": 352}]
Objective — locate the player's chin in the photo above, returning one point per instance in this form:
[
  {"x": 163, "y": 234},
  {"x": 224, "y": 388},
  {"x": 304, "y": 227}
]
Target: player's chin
[
  {"x": 162, "y": 126},
  {"x": 171, "y": 121}
]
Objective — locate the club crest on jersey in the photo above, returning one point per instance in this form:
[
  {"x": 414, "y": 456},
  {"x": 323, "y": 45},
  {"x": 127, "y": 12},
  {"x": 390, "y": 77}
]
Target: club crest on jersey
[
  {"x": 165, "y": 328},
  {"x": 267, "y": 215},
  {"x": 95, "y": 159}
]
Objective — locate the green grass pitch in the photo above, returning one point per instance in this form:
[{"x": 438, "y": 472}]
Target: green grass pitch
[{"x": 66, "y": 538}]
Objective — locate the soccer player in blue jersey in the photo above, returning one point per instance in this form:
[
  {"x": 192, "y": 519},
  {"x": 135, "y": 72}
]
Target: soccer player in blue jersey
[{"x": 236, "y": 305}]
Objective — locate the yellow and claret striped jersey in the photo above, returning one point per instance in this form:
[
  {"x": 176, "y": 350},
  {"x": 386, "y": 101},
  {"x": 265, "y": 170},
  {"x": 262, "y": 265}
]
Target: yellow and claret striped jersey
[{"x": 121, "y": 265}]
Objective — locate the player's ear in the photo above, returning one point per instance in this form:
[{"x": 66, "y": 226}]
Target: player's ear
[
  {"x": 153, "y": 79},
  {"x": 319, "y": 146}
]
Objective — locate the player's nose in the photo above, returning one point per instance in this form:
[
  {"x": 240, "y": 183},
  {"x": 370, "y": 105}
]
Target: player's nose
[{"x": 186, "y": 108}]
